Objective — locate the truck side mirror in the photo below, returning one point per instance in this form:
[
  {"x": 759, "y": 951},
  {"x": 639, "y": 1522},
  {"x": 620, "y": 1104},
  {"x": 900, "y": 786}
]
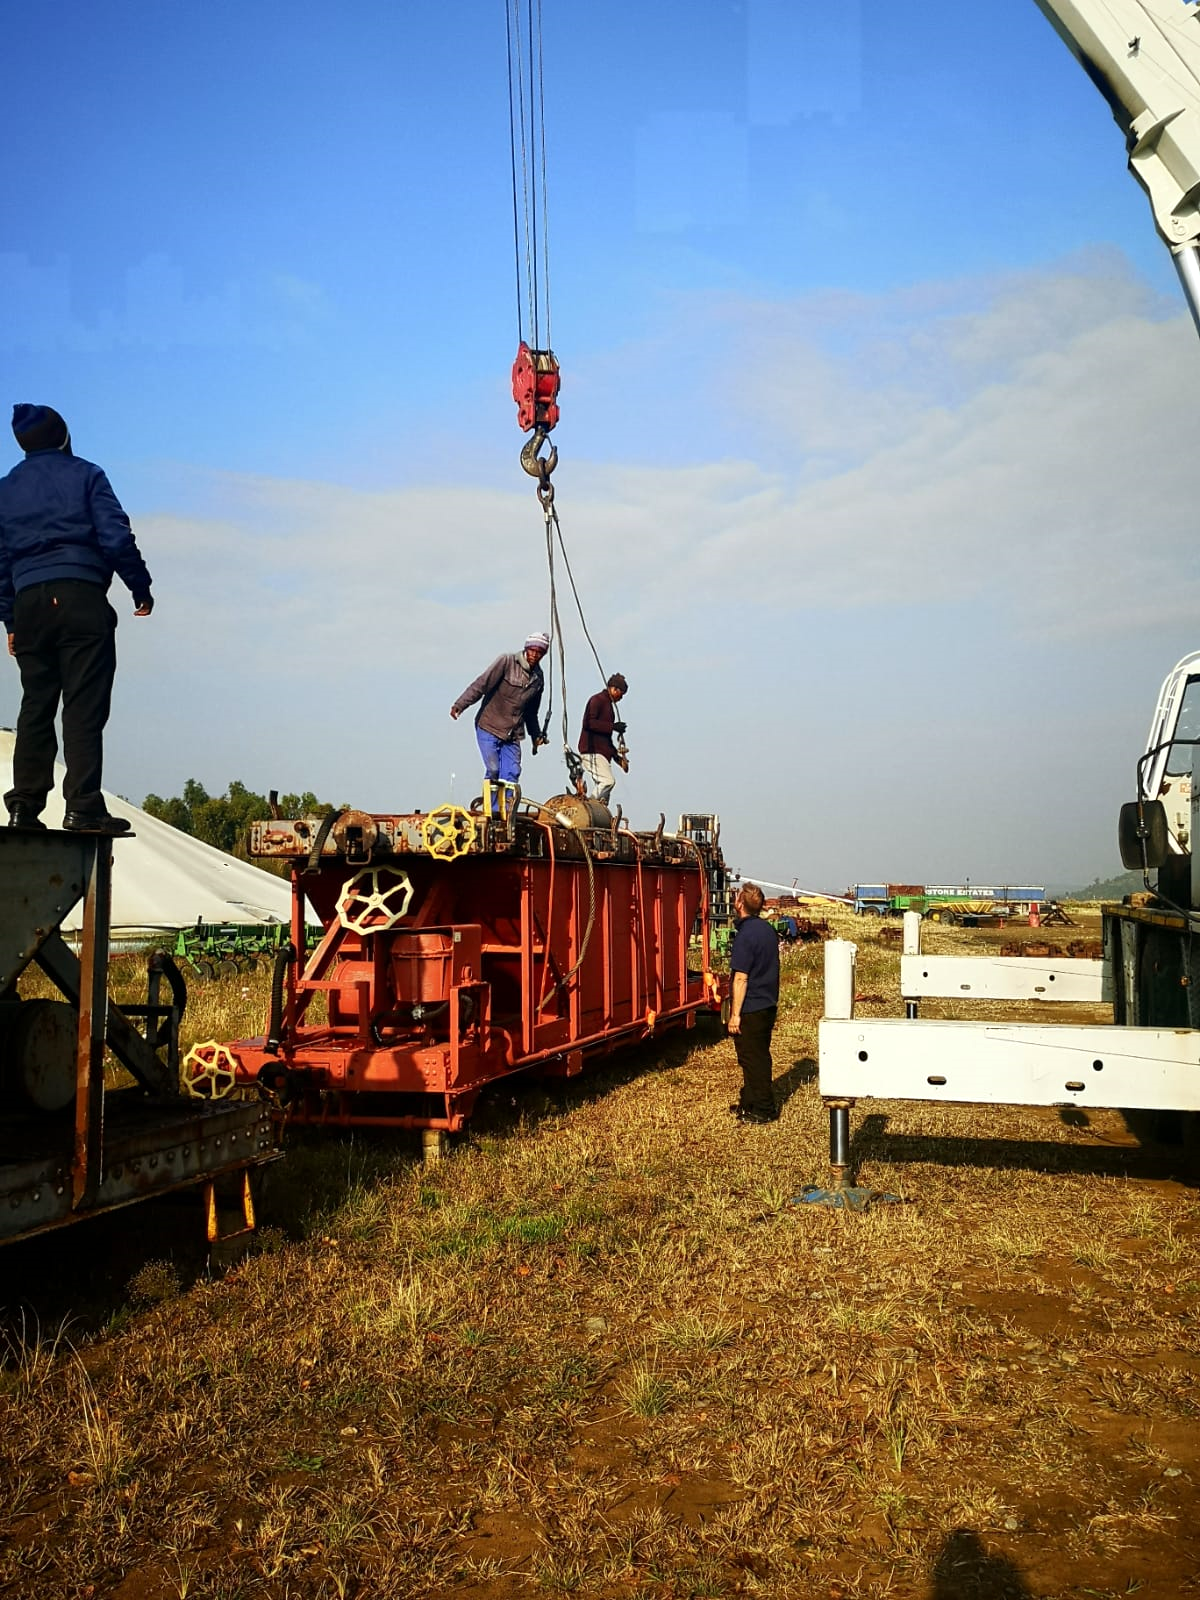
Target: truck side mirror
[{"x": 1143, "y": 835}]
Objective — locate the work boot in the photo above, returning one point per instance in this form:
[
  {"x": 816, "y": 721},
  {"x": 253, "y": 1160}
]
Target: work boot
[
  {"x": 741, "y": 1113},
  {"x": 84, "y": 822},
  {"x": 21, "y": 815}
]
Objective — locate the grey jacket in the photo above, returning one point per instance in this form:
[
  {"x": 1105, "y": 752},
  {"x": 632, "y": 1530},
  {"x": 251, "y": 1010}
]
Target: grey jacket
[{"x": 511, "y": 691}]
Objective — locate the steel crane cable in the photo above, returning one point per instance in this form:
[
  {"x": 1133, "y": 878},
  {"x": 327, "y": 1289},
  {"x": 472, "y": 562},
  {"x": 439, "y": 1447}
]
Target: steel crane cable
[
  {"x": 591, "y": 921},
  {"x": 552, "y": 515},
  {"x": 517, "y": 132},
  {"x": 556, "y": 624},
  {"x": 553, "y": 537},
  {"x": 527, "y": 152},
  {"x": 541, "y": 153},
  {"x": 527, "y": 148},
  {"x": 556, "y": 637}
]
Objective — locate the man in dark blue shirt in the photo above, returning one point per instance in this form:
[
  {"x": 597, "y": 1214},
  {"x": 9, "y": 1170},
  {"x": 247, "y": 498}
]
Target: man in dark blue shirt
[
  {"x": 754, "y": 1000},
  {"x": 63, "y": 537}
]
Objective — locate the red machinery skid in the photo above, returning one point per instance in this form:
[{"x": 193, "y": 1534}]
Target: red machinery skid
[{"x": 458, "y": 950}]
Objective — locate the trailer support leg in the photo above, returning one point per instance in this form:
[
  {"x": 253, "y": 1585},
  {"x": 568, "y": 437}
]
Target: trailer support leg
[
  {"x": 841, "y": 1195},
  {"x": 87, "y": 1165},
  {"x": 435, "y": 1143},
  {"x": 212, "y": 1224}
]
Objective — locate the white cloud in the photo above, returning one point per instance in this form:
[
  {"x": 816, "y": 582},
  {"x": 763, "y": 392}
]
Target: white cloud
[{"x": 963, "y": 538}]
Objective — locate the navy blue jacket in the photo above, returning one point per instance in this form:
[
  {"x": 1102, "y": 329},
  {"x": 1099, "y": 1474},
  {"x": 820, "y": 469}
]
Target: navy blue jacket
[
  {"x": 59, "y": 518},
  {"x": 756, "y": 953}
]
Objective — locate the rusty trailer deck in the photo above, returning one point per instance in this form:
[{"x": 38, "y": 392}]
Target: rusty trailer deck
[
  {"x": 148, "y": 1150},
  {"x": 70, "y": 1147}
]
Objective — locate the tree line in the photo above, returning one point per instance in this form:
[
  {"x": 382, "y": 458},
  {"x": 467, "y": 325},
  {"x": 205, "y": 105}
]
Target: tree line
[{"x": 223, "y": 820}]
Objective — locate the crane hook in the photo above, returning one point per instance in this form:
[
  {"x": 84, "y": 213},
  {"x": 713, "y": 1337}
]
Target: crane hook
[
  {"x": 539, "y": 466},
  {"x": 535, "y": 464}
]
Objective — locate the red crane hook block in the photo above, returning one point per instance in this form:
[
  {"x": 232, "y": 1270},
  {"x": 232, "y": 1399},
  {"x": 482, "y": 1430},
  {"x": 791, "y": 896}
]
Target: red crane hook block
[{"x": 535, "y": 382}]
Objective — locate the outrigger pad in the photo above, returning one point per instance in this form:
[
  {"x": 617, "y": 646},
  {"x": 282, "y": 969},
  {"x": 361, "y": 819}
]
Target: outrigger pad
[{"x": 848, "y": 1199}]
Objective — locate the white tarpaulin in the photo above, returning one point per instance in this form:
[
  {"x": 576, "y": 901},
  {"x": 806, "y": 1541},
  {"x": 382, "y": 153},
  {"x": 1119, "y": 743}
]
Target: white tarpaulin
[{"x": 166, "y": 879}]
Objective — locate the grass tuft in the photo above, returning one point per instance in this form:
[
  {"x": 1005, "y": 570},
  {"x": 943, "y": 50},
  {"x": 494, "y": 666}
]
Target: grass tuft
[
  {"x": 153, "y": 1283},
  {"x": 646, "y": 1392}
]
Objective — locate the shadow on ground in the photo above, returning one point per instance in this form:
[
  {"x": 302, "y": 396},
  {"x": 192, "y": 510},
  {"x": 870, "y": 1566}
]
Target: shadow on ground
[
  {"x": 79, "y": 1277},
  {"x": 799, "y": 1074},
  {"x": 874, "y": 1141},
  {"x": 525, "y": 1098},
  {"x": 965, "y": 1571}
]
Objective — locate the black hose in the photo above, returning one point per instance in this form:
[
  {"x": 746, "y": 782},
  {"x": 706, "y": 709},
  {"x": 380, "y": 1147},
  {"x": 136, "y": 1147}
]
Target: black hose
[
  {"x": 275, "y": 1021},
  {"x": 318, "y": 844},
  {"x": 161, "y": 962},
  {"x": 430, "y": 1009}
]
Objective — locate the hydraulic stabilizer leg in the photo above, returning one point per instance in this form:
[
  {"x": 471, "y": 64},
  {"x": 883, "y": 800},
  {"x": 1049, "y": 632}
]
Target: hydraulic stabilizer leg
[
  {"x": 842, "y": 1195},
  {"x": 839, "y": 1141},
  {"x": 1187, "y": 265}
]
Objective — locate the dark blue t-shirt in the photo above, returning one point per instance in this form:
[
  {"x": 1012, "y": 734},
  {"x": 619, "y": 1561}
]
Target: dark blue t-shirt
[{"x": 756, "y": 953}]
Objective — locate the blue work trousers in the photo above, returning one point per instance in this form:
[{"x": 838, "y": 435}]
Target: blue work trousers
[{"x": 501, "y": 757}]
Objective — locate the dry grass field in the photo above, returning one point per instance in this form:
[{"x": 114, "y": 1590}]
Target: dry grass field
[{"x": 598, "y": 1353}]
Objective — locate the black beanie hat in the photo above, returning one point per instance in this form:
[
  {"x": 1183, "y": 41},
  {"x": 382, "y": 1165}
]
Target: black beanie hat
[{"x": 39, "y": 428}]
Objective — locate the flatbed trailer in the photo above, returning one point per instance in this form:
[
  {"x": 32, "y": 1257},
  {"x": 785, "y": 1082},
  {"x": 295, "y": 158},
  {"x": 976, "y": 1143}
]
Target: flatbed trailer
[
  {"x": 72, "y": 1146},
  {"x": 459, "y": 948},
  {"x": 1153, "y": 959},
  {"x": 1146, "y": 1060}
]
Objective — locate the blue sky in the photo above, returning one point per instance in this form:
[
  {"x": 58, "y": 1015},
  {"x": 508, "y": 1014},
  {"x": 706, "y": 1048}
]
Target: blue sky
[{"x": 875, "y": 458}]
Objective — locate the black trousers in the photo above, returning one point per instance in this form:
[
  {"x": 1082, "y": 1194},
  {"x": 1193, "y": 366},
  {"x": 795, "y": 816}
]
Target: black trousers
[
  {"x": 753, "y": 1046},
  {"x": 65, "y": 640}
]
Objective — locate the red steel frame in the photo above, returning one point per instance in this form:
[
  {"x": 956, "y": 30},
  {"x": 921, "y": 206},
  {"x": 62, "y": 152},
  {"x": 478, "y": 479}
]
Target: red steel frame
[{"x": 512, "y": 961}]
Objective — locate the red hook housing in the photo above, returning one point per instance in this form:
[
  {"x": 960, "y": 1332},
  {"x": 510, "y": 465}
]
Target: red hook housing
[{"x": 535, "y": 382}]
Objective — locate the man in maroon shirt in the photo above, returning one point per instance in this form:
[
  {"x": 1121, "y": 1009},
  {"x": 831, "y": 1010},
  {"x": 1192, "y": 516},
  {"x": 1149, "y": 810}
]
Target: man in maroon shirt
[{"x": 596, "y": 737}]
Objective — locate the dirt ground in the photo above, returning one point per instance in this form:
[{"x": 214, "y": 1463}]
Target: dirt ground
[{"x": 600, "y": 1352}]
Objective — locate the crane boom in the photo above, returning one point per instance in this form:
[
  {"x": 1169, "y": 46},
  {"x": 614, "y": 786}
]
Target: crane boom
[{"x": 1144, "y": 57}]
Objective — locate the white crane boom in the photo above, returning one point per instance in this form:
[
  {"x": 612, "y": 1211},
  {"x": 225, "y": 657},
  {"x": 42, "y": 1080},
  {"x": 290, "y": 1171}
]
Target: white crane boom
[{"x": 1144, "y": 57}]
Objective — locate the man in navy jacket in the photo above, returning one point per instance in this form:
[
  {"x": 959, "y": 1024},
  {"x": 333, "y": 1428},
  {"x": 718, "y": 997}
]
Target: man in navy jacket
[
  {"x": 63, "y": 537},
  {"x": 753, "y": 1002}
]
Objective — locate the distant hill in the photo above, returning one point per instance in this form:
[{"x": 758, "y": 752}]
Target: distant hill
[{"x": 1107, "y": 888}]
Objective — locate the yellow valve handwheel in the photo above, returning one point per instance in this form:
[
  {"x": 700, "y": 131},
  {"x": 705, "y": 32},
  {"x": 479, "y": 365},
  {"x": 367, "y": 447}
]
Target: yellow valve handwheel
[
  {"x": 375, "y": 899},
  {"x": 209, "y": 1071},
  {"x": 448, "y": 832}
]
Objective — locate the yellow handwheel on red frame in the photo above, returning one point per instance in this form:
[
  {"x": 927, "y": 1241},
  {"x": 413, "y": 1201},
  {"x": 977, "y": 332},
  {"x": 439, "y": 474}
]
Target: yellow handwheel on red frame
[
  {"x": 375, "y": 899},
  {"x": 209, "y": 1071},
  {"x": 448, "y": 832}
]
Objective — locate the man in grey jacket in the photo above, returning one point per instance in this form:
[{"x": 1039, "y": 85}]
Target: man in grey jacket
[{"x": 511, "y": 692}]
